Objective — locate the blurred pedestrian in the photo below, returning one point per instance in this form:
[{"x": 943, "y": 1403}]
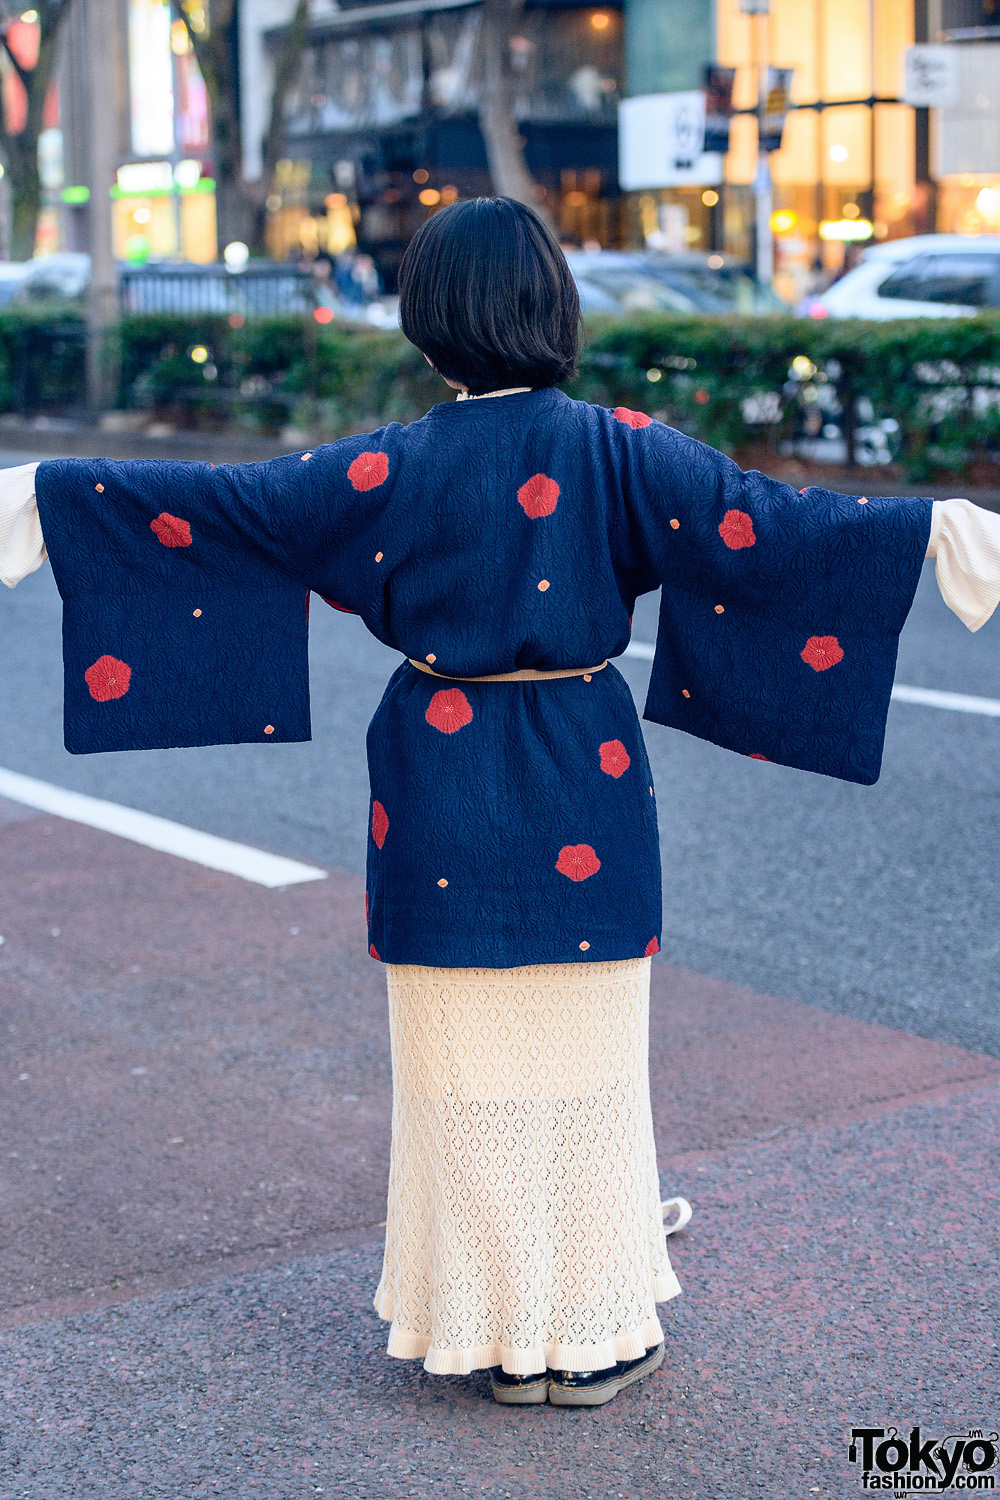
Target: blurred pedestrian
[
  {"x": 356, "y": 278},
  {"x": 500, "y": 544}
]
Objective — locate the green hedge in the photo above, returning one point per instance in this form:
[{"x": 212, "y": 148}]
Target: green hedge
[
  {"x": 922, "y": 394},
  {"x": 41, "y": 359},
  {"x": 925, "y": 393}
]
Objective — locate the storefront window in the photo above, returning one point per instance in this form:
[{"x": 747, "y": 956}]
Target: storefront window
[
  {"x": 353, "y": 82},
  {"x": 969, "y": 204},
  {"x": 566, "y": 66},
  {"x": 969, "y": 16}
]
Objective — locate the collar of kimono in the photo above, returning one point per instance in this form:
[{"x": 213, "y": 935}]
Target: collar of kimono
[{"x": 513, "y": 390}]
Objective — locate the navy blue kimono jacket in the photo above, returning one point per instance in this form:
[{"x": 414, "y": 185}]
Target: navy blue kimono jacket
[{"x": 510, "y": 823}]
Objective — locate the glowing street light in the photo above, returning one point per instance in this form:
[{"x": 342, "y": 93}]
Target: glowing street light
[
  {"x": 846, "y": 229},
  {"x": 236, "y": 255}
]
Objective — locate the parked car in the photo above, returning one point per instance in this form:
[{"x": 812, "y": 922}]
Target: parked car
[
  {"x": 260, "y": 289},
  {"x": 63, "y": 277},
  {"x": 616, "y": 281},
  {"x": 924, "y": 276},
  {"x": 12, "y": 273}
]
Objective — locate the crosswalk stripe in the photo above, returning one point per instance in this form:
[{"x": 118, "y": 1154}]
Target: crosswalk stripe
[
  {"x": 158, "y": 833},
  {"x": 961, "y": 703}
]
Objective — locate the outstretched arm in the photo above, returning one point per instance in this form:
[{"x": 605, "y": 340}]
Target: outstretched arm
[
  {"x": 781, "y": 611},
  {"x": 22, "y": 546},
  {"x": 185, "y": 586},
  {"x": 965, "y": 541}
]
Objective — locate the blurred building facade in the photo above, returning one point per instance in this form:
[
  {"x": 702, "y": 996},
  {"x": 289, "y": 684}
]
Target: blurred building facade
[
  {"x": 164, "y": 196},
  {"x": 906, "y": 170},
  {"x": 156, "y": 105},
  {"x": 382, "y": 124}
]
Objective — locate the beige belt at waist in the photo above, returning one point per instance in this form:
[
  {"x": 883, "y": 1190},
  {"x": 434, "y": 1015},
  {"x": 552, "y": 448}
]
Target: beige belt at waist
[{"x": 526, "y": 674}]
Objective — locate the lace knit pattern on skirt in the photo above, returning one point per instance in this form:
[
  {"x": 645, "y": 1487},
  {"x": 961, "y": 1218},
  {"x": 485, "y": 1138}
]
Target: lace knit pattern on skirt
[{"x": 524, "y": 1226}]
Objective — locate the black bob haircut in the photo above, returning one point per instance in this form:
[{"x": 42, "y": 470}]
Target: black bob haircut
[{"x": 486, "y": 293}]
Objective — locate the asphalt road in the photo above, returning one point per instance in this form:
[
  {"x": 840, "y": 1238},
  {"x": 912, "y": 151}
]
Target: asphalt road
[
  {"x": 880, "y": 903},
  {"x": 196, "y": 1100}
]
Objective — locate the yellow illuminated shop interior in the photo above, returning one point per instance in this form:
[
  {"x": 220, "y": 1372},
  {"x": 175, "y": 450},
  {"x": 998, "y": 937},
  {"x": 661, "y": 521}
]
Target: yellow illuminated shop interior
[
  {"x": 162, "y": 211},
  {"x": 843, "y": 173}
]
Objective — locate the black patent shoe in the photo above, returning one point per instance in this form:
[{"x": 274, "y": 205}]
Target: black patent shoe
[
  {"x": 595, "y": 1387},
  {"x": 519, "y": 1390}
]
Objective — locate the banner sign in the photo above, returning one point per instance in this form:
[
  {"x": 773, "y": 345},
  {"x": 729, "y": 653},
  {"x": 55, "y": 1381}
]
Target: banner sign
[
  {"x": 779, "y": 88},
  {"x": 661, "y": 142},
  {"x": 718, "y": 106},
  {"x": 930, "y": 76},
  {"x": 151, "y": 77}
]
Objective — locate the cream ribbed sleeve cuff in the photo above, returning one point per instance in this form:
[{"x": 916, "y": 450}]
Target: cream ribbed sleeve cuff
[
  {"x": 22, "y": 548},
  {"x": 965, "y": 541}
]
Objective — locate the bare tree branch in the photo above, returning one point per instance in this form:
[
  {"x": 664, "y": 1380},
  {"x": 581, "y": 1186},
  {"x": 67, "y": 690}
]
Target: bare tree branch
[
  {"x": 20, "y": 149},
  {"x": 509, "y": 171},
  {"x": 23, "y": 73},
  {"x": 239, "y": 202},
  {"x": 202, "y": 46},
  {"x": 285, "y": 74}
]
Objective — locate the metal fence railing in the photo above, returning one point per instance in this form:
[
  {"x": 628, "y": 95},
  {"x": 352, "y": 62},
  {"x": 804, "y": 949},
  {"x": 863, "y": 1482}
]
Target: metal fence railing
[{"x": 256, "y": 291}]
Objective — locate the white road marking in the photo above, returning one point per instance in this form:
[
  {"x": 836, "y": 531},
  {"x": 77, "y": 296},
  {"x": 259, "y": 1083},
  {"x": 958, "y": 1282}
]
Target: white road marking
[
  {"x": 961, "y": 703},
  {"x": 158, "y": 833}
]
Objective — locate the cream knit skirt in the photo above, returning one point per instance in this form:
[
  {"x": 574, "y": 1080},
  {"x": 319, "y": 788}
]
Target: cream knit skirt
[{"x": 524, "y": 1226}]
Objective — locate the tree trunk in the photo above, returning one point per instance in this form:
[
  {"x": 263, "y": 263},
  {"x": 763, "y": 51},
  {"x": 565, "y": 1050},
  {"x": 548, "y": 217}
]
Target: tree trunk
[
  {"x": 504, "y": 147},
  {"x": 238, "y": 215},
  {"x": 286, "y": 72},
  {"x": 25, "y": 194},
  {"x": 233, "y": 215},
  {"x": 239, "y": 204},
  {"x": 20, "y": 152}
]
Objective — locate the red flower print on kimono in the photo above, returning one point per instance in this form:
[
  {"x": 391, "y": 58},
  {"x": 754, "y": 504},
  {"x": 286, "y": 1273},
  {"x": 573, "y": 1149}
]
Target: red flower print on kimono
[
  {"x": 380, "y": 827},
  {"x": 369, "y": 470},
  {"x": 755, "y": 755},
  {"x": 821, "y": 652},
  {"x": 108, "y": 678},
  {"x": 631, "y": 418},
  {"x": 449, "y": 711},
  {"x": 615, "y": 759},
  {"x": 577, "y": 862},
  {"x": 171, "y": 530},
  {"x": 736, "y": 530},
  {"x": 652, "y": 947},
  {"x": 538, "y": 496}
]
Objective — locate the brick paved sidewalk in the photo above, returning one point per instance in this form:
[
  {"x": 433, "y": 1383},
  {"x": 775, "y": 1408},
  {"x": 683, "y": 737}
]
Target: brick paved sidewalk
[{"x": 196, "y": 1108}]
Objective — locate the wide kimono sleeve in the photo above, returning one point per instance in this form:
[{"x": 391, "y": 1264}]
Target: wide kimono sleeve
[
  {"x": 780, "y": 610},
  {"x": 185, "y": 589}
]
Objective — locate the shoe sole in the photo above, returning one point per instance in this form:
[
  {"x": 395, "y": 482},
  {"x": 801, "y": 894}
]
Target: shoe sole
[
  {"x": 597, "y": 1395},
  {"x": 521, "y": 1395}
]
